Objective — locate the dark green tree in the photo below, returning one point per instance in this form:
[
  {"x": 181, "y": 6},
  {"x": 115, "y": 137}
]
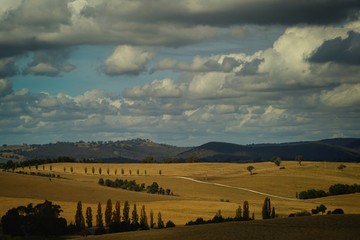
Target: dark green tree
[
  {"x": 122, "y": 171},
  {"x": 100, "y": 170},
  {"x": 79, "y": 217},
  {"x": 64, "y": 169},
  {"x": 85, "y": 169},
  {"x": 89, "y": 217},
  {"x": 108, "y": 213},
  {"x": 143, "y": 219},
  {"x": 246, "y": 212},
  {"x": 322, "y": 208},
  {"x": 238, "y": 214},
  {"x": 273, "y": 214},
  {"x": 116, "y": 213},
  {"x": 152, "y": 221},
  {"x": 299, "y": 159},
  {"x": 50, "y": 167},
  {"x": 115, "y": 171},
  {"x": 126, "y": 213},
  {"x": 93, "y": 170},
  {"x": 108, "y": 171},
  {"x": 135, "y": 217},
  {"x": 266, "y": 209},
  {"x": 71, "y": 169},
  {"x": 99, "y": 217},
  {"x": 250, "y": 169},
  {"x": 160, "y": 222}
]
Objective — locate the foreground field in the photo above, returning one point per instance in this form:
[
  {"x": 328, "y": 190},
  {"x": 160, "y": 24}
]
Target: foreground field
[
  {"x": 319, "y": 227},
  {"x": 200, "y": 189}
]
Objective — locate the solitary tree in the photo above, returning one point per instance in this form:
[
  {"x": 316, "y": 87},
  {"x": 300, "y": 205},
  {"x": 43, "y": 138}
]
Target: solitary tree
[
  {"x": 71, "y": 169},
  {"x": 135, "y": 217},
  {"x": 100, "y": 170},
  {"x": 299, "y": 159},
  {"x": 160, "y": 222},
  {"x": 130, "y": 172},
  {"x": 50, "y": 167},
  {"x": 64, "y": 169},
  {"x": 43, "y": 167},
  {"x": 266, "y": 209},
  {"x": 160, "y": 172},
  {"x": 276, "y": 160},
  {"x": 93, "y": 170},
  {"x": 115, "y": 171},
  {"x": 250, "y": 169},
  {"x": 89, "y": 216},
  {"x": 108, "y": 171},
  {"x": 143, "y": 219},
  {"x": 246, "y": 212},
  {"x": 99, "y": 217},
  {"x": 79, "y": 217},
  {"x": 108, "y": 213},
  {"x": 341, "y": 167},
  {"x": 122, "y": 171},
  {"x": 138, "y": 172},
  {"x": 85, "y": 169}
]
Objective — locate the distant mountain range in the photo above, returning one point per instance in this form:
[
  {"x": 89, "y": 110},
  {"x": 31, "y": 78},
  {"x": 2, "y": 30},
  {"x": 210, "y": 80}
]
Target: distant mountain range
[{"x": 140, "y": 150}]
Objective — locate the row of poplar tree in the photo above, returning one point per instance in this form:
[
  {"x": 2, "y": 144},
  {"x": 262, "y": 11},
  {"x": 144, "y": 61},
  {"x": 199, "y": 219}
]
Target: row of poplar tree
[{"x": 115, "y": 221}]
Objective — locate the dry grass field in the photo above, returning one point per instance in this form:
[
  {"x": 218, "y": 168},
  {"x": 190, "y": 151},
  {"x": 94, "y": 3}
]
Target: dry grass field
[{"x": 220, "y": 186}]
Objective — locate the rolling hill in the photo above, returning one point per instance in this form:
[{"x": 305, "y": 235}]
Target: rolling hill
[{"x": 132, "y": 151}]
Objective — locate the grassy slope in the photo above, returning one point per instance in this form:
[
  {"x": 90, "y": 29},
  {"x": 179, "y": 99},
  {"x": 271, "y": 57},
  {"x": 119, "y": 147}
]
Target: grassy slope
[
  {"x": 192, "y": 199},
  {"x": 320, "y": 228}
]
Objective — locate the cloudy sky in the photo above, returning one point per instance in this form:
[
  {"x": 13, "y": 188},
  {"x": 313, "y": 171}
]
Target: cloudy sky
[{"x": 179, "y": 72}]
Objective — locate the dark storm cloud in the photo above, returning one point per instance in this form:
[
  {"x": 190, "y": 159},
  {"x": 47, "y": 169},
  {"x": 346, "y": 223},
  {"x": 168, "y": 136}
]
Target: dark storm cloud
[
  {"x": 251, "y": 68},
  {"x": 284, "y": 12},
  {"x": 338, "y": 50},
  {"x": 50, "y": 62}
]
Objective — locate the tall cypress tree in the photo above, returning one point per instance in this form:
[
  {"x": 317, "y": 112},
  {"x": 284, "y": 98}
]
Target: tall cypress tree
[
  {"x": 135, "y": 217},
  {"x": 238, "y": 214},
  {"x": 89, "y": 217},
  {"x": 266, "y": 209},
  {"x": 152, "y": 223},
  {"x": 246, "y": 212},
  {"x": 126, "y": 212},
  {"x": 108, "y": 212},
  {"x": 99, "y": 217},
  {"x": 143, "y": 219},
  {"x": 160, "y": 222},
  {"x": 116, "y": 213},
  {"x": 79, "y": 217}
]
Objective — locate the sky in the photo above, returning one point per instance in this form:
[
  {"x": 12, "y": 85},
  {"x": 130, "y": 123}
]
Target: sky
[{"x": 180, "y": 72}]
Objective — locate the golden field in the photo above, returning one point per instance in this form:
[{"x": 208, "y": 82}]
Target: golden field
[{"x": 220, "y": 186}]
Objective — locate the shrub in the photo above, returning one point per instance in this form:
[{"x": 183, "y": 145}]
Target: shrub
[
  {"x": 169, "y": 224},
  {"x": 101, "y": 181},
  {"x": 338, "y": 211}
]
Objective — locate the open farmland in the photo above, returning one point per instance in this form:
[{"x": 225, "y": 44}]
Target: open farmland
[{"x": 200, "y": 189}]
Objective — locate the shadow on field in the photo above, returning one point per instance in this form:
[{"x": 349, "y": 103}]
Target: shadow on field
[{"x": 316, "y": 227}]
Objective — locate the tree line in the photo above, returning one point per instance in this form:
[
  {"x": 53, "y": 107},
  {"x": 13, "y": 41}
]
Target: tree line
[
  {"x": 336, "y": 189},
  {"x": 115, "y": 220},
  {"x": 241, "y": 214},
  {"x": 131, "y": 185}
]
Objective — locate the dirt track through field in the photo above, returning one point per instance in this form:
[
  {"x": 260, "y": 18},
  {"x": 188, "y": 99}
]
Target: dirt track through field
[{"x": 239, "y": 188}]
